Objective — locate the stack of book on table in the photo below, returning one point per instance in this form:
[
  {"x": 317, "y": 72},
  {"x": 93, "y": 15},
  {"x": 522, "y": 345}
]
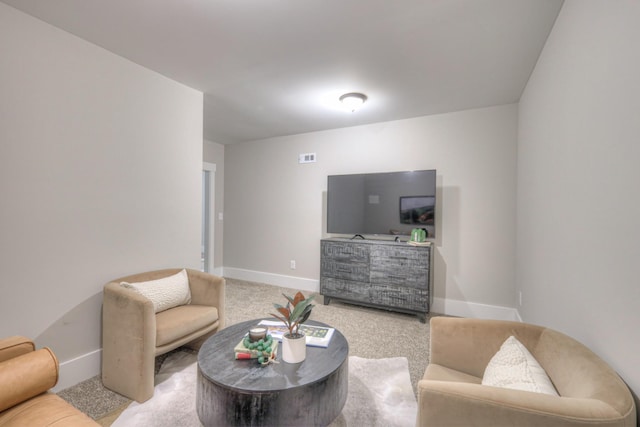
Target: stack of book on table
[
  {"x": 317, "y": 336},
  {"x": 243, "y": 352}
]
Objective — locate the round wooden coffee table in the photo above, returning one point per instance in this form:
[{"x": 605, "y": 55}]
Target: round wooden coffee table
[{"x": 242, "y": 393}]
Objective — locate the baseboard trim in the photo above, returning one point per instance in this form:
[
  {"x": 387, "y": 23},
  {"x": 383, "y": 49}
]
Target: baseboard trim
[
  {"x": 475, "y": 310},
  {"x": 440, "y": 305},
  {"x": 79, "y": 369},
  {"x": 301, "y": 283},
  {"x": 518, "y": 317},
  {"x": 87, "y": 366}
]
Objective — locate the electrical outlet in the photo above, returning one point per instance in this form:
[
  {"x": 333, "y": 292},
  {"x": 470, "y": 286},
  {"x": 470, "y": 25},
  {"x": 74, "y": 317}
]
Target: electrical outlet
[{"x": 292, "y": 264}]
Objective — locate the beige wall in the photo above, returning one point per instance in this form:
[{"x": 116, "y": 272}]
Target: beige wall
[
  {"x": 275, "y": 207},
  {"x": 578, "y": 182},
  {"x": 100, "y": 164},
  {"x": 214, "y": 153}
]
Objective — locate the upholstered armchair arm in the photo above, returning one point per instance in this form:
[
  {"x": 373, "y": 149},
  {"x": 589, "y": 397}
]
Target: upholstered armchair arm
[
  {"x": 27, "y": 375},
  {"x": 443, "y": 403},
  {"x": 208, "y": 289},
  {"x": 15, "y": 346},
  {"x": 128, "y": 336},
  {"x": 467, "y": 345}
]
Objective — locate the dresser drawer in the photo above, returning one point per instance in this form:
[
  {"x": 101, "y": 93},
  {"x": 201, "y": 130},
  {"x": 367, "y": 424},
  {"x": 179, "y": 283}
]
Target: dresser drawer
[
  {"x": 400, "y": 256},
  {"x": 344, "y": 270},
  {"x": 390, "y": 296},
  {"x": 401, "y": 297},
  {"x": 347, "y": 289},
  {"x": 345, "y": 252},
  {"x": 410, "y": 277},
  {"x": 400, "y": 266}
]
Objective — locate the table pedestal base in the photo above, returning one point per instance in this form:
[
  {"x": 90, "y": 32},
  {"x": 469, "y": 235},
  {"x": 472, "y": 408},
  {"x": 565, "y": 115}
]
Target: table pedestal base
[{"x": 316, "y": 404}]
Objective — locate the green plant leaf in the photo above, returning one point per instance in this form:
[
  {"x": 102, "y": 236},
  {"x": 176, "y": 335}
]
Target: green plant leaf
[
  {"x": 301, "y": 312},
  {"x": 297, "y": 311},
  {"x": 306, "y": 313},
  {"x": 291, "y": 302}
]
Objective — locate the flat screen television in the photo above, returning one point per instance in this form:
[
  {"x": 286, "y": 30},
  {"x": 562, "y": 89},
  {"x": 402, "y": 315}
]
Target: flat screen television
[{"x": 387, "y": 203}]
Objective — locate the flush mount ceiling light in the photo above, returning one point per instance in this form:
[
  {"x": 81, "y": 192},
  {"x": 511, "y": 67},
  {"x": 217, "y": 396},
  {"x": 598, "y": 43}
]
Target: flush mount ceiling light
[{"x": 353, "y": 100}]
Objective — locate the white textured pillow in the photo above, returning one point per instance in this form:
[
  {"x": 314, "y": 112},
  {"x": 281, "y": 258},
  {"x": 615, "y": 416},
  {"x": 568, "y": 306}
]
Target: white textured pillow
[
  {"x": 164, "y": 293},
  {"x": 514, "y": 367}
]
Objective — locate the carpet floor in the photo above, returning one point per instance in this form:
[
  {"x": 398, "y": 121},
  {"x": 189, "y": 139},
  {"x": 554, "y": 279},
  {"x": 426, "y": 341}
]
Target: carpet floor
[
  {"x": 371, "y": 333},
  {"x": 379, "y": 395}
]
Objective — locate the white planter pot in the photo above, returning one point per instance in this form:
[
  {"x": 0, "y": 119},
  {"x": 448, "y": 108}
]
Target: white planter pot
[{"x": 294, "y": 350}]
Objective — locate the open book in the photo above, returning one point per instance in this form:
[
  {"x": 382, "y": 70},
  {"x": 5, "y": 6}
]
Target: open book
[{"x": 317, "y": 336}]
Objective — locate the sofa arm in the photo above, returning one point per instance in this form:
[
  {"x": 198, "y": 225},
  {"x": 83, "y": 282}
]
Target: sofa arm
[
  {"x": 26, "y": 376},
  {"x": 128, "y": 338},
  {"x": 15, "y": 346},
  {"x": 208, "y": 289},
  {"x": 442, "y": 403},
  {"x": 467, "y": 345}
]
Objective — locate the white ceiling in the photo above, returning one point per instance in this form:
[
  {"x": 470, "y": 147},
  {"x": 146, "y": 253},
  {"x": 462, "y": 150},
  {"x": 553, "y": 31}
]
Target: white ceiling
[{"x": 277, "y": 67}]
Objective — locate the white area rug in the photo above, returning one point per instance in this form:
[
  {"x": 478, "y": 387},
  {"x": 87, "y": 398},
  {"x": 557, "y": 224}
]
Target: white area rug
[{"x": 380, "y": 395}]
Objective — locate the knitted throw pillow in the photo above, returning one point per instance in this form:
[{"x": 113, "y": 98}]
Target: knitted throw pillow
[
  {"x": 164, "y": 293},
  {"x": 514, "y": 367}
]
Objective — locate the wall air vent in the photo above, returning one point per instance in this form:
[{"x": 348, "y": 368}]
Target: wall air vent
[{"x": 307, "y": 158}]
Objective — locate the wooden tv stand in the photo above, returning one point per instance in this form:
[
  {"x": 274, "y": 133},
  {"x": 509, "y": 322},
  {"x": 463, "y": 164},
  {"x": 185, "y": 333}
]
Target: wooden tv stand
[{"x": 379, "y": 273}]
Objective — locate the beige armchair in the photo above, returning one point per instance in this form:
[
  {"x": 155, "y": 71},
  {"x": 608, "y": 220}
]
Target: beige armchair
[
  {"x": 133, "y": 334},
  {"x": 451, "y": 393},
  {"x": 26, "y": 375}
]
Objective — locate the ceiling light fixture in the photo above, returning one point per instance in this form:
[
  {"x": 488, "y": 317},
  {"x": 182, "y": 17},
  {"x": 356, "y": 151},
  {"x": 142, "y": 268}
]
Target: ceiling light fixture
[{"x": 353, "y": 100}]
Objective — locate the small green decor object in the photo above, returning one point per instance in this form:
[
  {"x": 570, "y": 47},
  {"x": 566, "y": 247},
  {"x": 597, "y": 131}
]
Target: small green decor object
[
  {"x": 296, "y": 312},
  {"x": 263, "y": 350}
]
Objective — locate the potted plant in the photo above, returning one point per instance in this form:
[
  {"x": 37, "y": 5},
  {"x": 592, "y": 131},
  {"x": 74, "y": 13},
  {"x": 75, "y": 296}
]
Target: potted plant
[{"x": 296, "y": 312}]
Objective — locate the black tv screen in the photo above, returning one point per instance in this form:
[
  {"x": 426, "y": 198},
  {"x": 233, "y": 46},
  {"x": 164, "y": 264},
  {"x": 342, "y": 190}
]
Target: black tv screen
[{"x": 391, "y": 203}]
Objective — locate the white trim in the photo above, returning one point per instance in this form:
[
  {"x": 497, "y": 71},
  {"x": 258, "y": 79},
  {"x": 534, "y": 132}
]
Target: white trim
[
  {"x": 292, "y": 282},
  {"x": 87, "y": 366},
  {"x": 476, "y": 310},
  {"x": 440, "y": 305},
  {"x": 79, "y": 369},
  {"x": 518, "y": 317},
  {"x": 211, "y": 168}
]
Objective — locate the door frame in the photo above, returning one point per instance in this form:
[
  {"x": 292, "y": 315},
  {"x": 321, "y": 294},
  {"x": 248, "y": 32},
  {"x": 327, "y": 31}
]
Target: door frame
[{"x": 210, "y": 210}]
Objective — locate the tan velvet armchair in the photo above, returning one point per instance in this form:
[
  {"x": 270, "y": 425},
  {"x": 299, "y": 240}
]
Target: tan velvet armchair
[
  {"x": 26, "y": 375},
  {"x": 451, "y": 393},
  {"x": 133, "y": 334}
]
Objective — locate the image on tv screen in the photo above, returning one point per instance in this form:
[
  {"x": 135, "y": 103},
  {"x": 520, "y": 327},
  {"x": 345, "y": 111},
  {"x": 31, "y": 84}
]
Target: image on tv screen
[{"x": 418, "y": 210}]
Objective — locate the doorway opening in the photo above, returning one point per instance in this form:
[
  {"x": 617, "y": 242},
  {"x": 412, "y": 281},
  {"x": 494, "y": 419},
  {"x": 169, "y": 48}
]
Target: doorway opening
[{"x": 208, "y": 224}]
